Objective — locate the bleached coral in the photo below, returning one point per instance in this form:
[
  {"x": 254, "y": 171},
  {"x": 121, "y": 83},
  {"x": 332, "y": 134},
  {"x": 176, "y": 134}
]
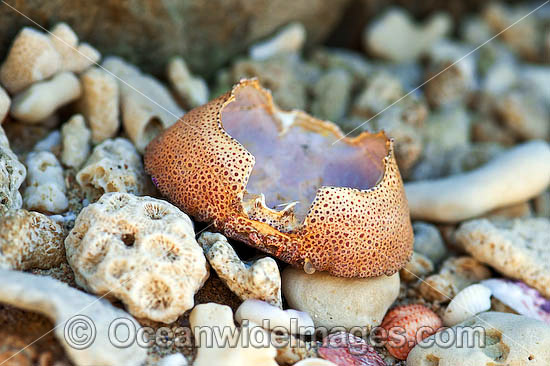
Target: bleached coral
[
  {"x": 456, "y": 274},
  {"x": 60, "y": 303},
  {"x": 30, "y": 240},
  {"x": 207, "y": 318},
  {"x": 192, "y": 89},
  {"x": 140, "y": 250},
  {"x": 12, "y": 175},
  {"x": 45, "y": 190},
  {"x": 42, "y": 99},
  {"x": 75, "y": 57},
  {"x": 100, "y": 103},
  {"x": 259, "y": 280},
  {"x": 114, "y": 166},
  {"x": 289, "y": 39},
  {"x": 76, "y": 142},
  {"x": 396, "y": 37},
  {"x": 32, "y": 57},
  {"x": 147, "y": 106}
]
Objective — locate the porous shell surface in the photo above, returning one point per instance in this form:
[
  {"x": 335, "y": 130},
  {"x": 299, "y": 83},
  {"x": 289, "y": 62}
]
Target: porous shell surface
[
  {"x": 140, "y": 250},
  {"x": 30, "y": 240},
  {"x": 204, "y": 171},
  {"x": 471, "y": 301},
  {"x": 257, "y": 280}
]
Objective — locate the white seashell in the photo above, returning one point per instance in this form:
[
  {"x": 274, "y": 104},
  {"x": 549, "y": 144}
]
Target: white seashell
[
  {"x": 273, "y": 318},
  {"x": 314, "y": 362},
  {"x": 521, "y": 298},
  {"x": 472, "y": 300}
]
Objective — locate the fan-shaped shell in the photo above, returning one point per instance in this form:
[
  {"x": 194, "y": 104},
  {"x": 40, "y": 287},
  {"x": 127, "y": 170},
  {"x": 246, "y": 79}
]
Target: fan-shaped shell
[{"x": 472, "y": 300}]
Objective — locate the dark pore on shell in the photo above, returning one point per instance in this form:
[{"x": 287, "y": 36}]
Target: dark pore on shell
[{"x": 282, "y": 182}]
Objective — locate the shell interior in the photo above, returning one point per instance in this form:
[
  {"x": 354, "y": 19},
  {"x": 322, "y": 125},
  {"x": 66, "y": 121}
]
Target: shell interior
[{"x": 295, "y": 155}]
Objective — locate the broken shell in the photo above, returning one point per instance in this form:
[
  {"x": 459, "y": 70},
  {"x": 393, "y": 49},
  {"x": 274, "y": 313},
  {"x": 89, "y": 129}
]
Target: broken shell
[
  {"x": 358, "y": 224},
  {"x": 521, "y": 298},
  {"x": 472, "y": 300}
]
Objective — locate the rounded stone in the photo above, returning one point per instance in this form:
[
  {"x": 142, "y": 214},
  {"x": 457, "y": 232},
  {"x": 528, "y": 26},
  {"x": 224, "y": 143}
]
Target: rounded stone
[{"x": 337, "y": 301}]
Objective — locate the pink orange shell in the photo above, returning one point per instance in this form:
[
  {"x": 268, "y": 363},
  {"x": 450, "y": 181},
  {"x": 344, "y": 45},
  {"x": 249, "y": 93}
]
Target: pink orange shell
[
  {"x": 348, "y": 232},
  {"x": 407, "y": 325}
]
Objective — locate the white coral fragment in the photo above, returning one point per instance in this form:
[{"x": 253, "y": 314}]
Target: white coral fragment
[
  {"x": 193, "y": 90},
  {"x": 30, "y": 240},
  {"x": 114, "y": 166},
  {"x": 31, "y": 58},
  {"x": 140, "y": 250},
  {"x": 289, "y": 39},
  {"x": 71, "y": 311},
  {"x": 273, "y": 318},
  {"x": 76, "y": 142},
  {"x": 75, "y": 57},
  {"x": 5, "y": 103},
  {"x": 260, "y": 280},
  {"x": 396, "y": 37},
  {"x": 494, "y": 185},
  {"x": 45, "y": 190},
  {"x": 43, "y": 98},
  {"x": 147, "y": 105},
  {"x": 100, "y": 103},
  {"x": 243, "y": 348},
  {"x": 471, "y": 301},
  {"x": 12, "y": 175}
]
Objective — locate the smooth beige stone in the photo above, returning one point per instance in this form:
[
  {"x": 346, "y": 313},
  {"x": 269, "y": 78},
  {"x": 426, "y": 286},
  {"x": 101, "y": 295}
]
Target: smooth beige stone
[{"x": 337, "y": 301}]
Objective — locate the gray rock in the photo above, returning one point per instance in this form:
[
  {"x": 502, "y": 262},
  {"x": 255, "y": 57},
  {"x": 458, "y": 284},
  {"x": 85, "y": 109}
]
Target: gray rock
[
  {"x": 428, "y": 241},
  {"x": 63, "y": 304}
]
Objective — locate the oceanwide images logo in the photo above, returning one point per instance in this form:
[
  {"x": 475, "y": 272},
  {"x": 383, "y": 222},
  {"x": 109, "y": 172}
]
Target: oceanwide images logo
[{"x": 80, "y": 333}]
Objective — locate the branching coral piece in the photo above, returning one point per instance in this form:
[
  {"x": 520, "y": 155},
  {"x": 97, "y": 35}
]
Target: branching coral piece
[
  {"x": 259, "y": 280},
  {"x": 42, "y": 99}
]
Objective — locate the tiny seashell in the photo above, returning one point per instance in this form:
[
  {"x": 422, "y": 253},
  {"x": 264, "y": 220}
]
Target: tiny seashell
[
  {"x": 521, "y": 298},
  {"x": 472, "y": 300}
]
